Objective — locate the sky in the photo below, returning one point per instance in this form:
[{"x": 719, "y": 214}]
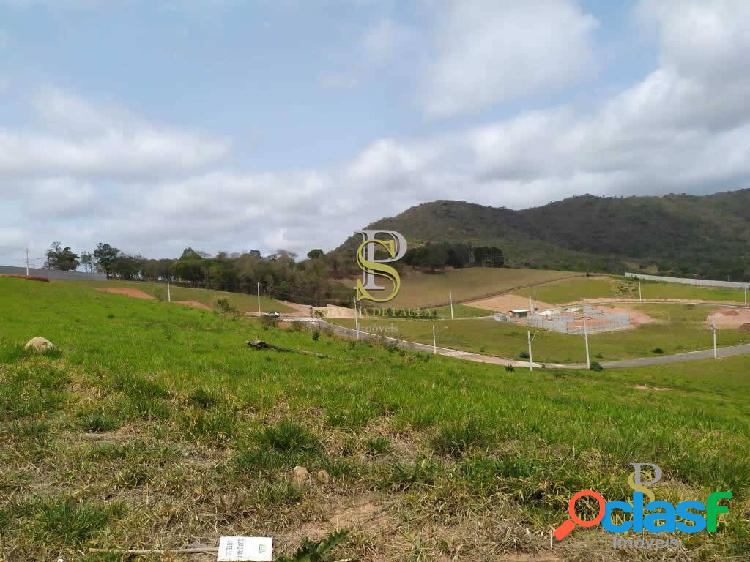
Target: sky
[{"x": 230, "y": 125}]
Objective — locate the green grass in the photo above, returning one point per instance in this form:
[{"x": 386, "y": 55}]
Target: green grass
[
  {"x": 462, "y": 311},
  {"x": 240, "y": 302},
  {"x": 431, "y": 290},
  {"x": 680, "y": 328},
  {"x": 576, "y": 289},
  {"x": 444, "y": 452}
]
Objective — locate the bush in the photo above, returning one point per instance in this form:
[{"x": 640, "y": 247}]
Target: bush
[
  {"x": 657, "y": 350},
  {"x": 509, "y": 368},
  {"x": 524, "y": 355},
  {"x": 269, "y": 322},
  {"x": 596, "y": 366},
  {"x": 287, "y": 436},
  {"x": 454, "y": 440},
  {"x": 316, "y": 335},
  {"x": 223, "y": 305}
]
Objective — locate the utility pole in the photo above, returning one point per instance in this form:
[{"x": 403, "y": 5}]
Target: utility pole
[
  {"x": 434, "y": 341},
  {"x": 713, "y": 329},
  {"x": 27, "y": 268},
  {"x": 745, "y": 296},
  {"x": 450, "y": 297},
  {"x": 640, "y": 296},
  {"x": 169, "y": 293},
  {"x": 356, "y": 316},
  {"x": 531, "y": 356},
  {"x": 586, "y": 340},
  {"x": 259, "y": 311}
]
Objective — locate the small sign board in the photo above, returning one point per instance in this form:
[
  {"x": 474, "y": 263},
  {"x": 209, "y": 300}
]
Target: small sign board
[{"x": 253, "y": 549}]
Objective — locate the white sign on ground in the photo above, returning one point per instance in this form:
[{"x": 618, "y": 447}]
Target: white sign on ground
[{"x": 252, "y": 549}]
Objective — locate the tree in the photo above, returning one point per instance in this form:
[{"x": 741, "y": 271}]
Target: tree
[
  {"x": 105, "y": 255},
  {"x": 61, "y": 258},
  {"x": 315, "y": 254}
]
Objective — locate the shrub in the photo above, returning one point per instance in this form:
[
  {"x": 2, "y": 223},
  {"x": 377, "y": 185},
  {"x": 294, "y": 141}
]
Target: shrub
[
  {"x": 316, "y": 335},
  {"x": 596, "y": 366},
  {"x": 524, "y": 355},
  {"x": 657, "y": 350},
  {"x": 509, "y": 368},
  {"x": 223, "y": 305},
  {"x": 287, "y": 436},
  {"x": 454, "y": 440},
  {"x": 269, "y": 322}
]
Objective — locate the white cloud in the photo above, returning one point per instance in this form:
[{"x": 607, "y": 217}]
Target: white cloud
[
  {"x": 491, "y": 51},
  {"x": 93, "y": 174},
  {"x": 83, "y": 139}
]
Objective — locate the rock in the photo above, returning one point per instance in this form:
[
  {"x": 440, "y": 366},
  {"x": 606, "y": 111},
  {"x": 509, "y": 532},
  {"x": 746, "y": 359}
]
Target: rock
[
  {"x": 300, "y": 476},
  {"x": 39, "y": 345},
  {"x": 323, "y": 477}
]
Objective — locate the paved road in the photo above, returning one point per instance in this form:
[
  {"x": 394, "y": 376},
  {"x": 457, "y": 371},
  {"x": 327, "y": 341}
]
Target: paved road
[
  {"x": 679, "y": 357},
  {"x": 480, "y": 358}
]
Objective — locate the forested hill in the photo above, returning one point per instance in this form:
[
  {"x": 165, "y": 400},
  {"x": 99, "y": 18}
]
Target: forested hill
[{"x": 707, "y": 236}]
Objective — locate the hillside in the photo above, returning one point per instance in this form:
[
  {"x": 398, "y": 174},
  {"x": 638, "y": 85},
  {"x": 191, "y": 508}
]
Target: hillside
[
  {"x": 154, "y": 426},
  {"x": 686, "y": 235}
]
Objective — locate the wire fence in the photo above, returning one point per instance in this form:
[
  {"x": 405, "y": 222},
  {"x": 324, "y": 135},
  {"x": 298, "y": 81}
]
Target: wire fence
[
  {"x": 688, "y": 281},
  {"x": 573, "y": 320}
]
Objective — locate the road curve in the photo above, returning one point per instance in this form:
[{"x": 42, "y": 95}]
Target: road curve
[{"x": 492, "y": 359}]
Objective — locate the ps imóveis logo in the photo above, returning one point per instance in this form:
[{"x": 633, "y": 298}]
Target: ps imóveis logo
[{"x": 394, "y": 245}]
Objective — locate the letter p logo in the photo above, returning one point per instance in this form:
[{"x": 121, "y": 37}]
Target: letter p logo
[{"x": 395, "y": 247}]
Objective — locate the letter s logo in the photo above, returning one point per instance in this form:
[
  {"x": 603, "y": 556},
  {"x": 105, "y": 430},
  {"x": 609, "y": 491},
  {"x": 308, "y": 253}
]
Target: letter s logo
[{"x": 370, "y": 266}]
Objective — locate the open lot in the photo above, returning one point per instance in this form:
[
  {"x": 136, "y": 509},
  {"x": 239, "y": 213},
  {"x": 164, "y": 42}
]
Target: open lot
[
  {"x": 432, "y": 289},
  {"x": 239, "y": 301},
  {"x": 596, "y": 287},
  {"x": 678, "y": 328},
  {"x": 154, "y": 426}
]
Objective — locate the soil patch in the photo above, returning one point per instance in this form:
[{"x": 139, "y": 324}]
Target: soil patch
[
  {"x": 729, "y": 318},
  {"x": 128, "y": 292},
  {"x": 506, "y": 303},
  {"x": 194, "y": 304}
]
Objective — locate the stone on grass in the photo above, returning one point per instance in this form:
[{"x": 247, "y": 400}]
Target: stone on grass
[
  {"x": 323, "y": 477},
  {"x": 39, "y": 345},
  {"x": 300, "y": 476}
]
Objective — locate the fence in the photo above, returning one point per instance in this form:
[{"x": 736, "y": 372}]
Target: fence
[
  {"x": 53, "y": 274},
  {"x": 687, "y": 281},
  {"x": 571, "y": 320}
]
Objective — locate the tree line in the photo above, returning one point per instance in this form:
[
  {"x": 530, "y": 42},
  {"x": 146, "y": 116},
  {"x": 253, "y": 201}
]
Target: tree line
[
  {"x": 313, "y": 281},
  {"x": 438, "y": 256}
]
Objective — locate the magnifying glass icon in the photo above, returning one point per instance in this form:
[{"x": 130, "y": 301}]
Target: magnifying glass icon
[{"x": 563, "y": 530}]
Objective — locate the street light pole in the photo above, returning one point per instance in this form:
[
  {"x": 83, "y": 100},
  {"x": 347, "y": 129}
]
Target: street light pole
[
  {"x": 531, "y": 356},
  {"x": 259, "y": 311},
  {"x": 586, "y": 340},
  {"x": 713, "y": 329}
]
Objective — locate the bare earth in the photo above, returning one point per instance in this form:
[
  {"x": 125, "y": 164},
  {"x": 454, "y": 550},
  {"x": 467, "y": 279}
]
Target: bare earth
[
  {"x": 732, "y": 318},
  {"x": 194, "y": 304},
  {"x": 506, "y": 303},
  {"x": 134, "y": 293}
]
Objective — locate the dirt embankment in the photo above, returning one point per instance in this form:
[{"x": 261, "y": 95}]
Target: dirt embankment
[
  {"x": 128, "y": 292},
  {"x": 730, "y": 318},
  {"x": 506, "y": 303}
]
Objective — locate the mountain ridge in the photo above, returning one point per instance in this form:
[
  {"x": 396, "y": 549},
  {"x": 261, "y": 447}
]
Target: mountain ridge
[{"x": 685, "y": 235}]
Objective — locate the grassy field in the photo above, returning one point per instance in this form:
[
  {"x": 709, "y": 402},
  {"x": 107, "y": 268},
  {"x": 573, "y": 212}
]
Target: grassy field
[
  {"x": 154, "y": 426},
  {"x": 576, "y": 289},
  {"x": 426, "y": 290},
  {"x": 239, "y": 301},
  {"x": 679, "y": 328}
]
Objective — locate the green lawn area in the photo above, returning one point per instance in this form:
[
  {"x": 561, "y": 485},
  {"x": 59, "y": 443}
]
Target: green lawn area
[
  {"x": 462, "y": 311},
  {"x": 573, "y": 290},
  {"x": 429, "y": 290},
  {"x": 154, "y": 426},
  {"x": 679, "y": 328},
  {"x": 242, "y": 302},
  {"x": 579, "y": 288}
]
